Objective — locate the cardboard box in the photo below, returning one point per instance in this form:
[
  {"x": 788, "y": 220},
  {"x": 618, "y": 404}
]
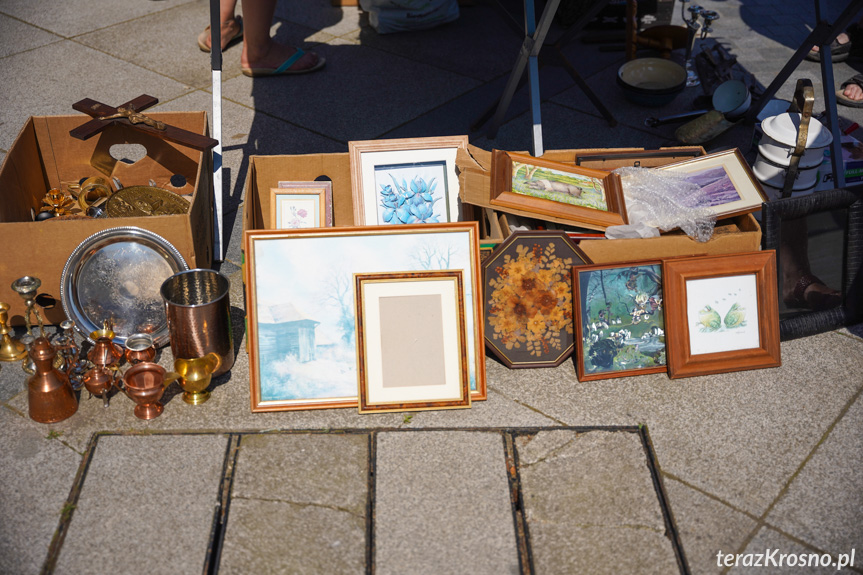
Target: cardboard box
[
  {"x": 45, "y": 156},
  {"x": 733, "y": 235}
]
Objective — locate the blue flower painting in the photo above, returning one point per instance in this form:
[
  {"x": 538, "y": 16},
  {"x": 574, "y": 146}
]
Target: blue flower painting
[
  {"x": 304, "y": 313},
  {"x": 414, "y": 193}
]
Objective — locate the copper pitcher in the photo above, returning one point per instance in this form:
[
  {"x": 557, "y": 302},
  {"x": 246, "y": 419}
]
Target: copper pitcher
[
  {"x": 105, "y": 352},
  {"x": 49, "y": 392}
]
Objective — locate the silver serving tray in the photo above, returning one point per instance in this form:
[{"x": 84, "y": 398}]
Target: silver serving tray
[{"x": 116, "y": 275}]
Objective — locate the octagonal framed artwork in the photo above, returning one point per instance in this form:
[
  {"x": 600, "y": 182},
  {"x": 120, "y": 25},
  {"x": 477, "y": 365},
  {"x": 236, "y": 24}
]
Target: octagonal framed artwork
[{"x": 527, "y": 298}]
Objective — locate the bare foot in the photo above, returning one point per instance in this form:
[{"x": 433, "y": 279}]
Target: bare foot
[
  {"x": 274, "y": 54},
  {"x": 229, "y": 30}
]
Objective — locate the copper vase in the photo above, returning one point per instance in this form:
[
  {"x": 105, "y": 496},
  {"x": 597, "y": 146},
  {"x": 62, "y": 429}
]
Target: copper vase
[{"x": 49, "y": 392}]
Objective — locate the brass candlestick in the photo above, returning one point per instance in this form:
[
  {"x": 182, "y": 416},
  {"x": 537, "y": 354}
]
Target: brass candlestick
[
  {"x": 10, "y": 349},
  {"x": 27, "y": 287}
]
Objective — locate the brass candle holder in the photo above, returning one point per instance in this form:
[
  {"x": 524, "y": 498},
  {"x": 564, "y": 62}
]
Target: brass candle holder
[
  {"x": 27, "y": 288},
  {"x": 10, "y": 349}
]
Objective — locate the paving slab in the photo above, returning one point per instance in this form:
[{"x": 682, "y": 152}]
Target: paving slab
[
  {"x": 146, "y": 505},
  {"x": 726, "y": 434},
  {"x": 80, "y": 76},
  {"x": 829, "y": 519},
  {"x": 705, "y": 525},
  {"x": 773, "y": 545},
  {"x": 19, "y": 36},
  {"x": 442, "y": 504},
  {"x": 298, "y": 505},
  {"x": 590, "y": 504},
  {"x": 80, "y": 16},
  {"x": 36, "y": 473},
  {"x": 388, "y": 89}
]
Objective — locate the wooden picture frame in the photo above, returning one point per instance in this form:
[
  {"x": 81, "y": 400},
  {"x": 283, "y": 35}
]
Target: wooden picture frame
[
  {"x": 411, "y": 353},
  {"x": 405, "y": 181},
  {"x": 612, "y": 159},
  {"x": 619, "y": 319},
  {"x": 300, "y": 306},
  {"x": 776, "y": 217},
  {"x": 301, "y": 205},
  {"x": 527, "y": 298},
  {"x": 586, "y": 197},
  {"x": 741, "y": 333},
  {"x": 733, "y": 188}
]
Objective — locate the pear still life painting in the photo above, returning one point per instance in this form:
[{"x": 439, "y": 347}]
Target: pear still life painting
[
  {"x": 722, "y": 313},
  {"x": 619, "y": 320}
]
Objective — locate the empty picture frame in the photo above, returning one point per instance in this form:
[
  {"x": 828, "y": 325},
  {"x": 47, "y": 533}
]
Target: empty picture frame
[
  {"x": 296, "y": 205},
  {"x": 789, "y": 216},
  {"x": 528, "y": 298},
  {"x": 727, "y": 180},
  {"x": 405, "y": 181},
  {"x": 300, "y": 304},
  {"x": 587, "y": 197},
  {"x": 619, "y": 319},
  {"x": 611, "y": 159},
  {"x": 721, "y": 313},
  {"x": 411, "y": 352}
]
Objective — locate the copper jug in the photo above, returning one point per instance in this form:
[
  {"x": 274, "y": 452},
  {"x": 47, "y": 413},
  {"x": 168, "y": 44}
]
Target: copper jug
[{"x": 49, "y": 392}]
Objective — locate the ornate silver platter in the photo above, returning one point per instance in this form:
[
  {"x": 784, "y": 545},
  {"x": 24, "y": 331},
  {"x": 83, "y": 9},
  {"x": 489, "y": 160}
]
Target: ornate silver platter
[{"x": 115, "y": 276}]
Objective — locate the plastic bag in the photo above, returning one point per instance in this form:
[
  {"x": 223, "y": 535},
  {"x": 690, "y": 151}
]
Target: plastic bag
[
  {"x": 665, "y": 200},
  {"x": 388, "y": 16}
]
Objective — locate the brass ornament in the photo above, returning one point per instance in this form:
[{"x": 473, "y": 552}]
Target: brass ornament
[{"x": 137, "y": 201}]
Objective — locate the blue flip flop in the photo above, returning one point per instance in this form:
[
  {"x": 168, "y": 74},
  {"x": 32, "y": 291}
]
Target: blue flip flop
[{"x": 285, "y": 67}]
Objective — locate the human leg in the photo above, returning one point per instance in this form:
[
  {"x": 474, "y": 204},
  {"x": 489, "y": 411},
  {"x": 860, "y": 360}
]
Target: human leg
[
  {"x": 231, "y": 26},
  {"x": 263, "y": 56}
]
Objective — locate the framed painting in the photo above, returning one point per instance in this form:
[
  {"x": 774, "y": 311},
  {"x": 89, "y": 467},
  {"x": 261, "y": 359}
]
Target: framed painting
[
  {"x": 727, "y": 180},
  {"x": 721, "y": 313},
  {"x": 405, "y": 181},
  {"x": 587, "y": 197},
  {"x": 527, "y": 298},
  {"x": 818, "y": 239},
  {"x": 296, "y": 205},
  {"x": 411, "y": 352},
  {"x": 300, "y": 304},
  {"x": 619, "y": 319}
]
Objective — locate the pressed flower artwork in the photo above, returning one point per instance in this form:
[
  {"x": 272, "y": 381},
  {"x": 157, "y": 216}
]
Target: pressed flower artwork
[
  {"x": 298, "y": 205},
  {"x": 412, "y": 193},
  {"x": 528, "y": 298}
]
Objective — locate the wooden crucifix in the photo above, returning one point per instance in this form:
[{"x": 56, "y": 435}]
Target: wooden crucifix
[{"x": 129, "y": 114}]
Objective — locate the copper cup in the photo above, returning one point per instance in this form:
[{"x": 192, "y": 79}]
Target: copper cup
[
  {"x": 198, "y": 307},
  {"x": 145, "y": 383},
  {"x": 140, "y": 347},
  {"x": 195, "y": 376}
]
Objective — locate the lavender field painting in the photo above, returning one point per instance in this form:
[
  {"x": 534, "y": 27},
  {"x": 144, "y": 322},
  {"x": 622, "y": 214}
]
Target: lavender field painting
[{"x": 716, "y": 184}]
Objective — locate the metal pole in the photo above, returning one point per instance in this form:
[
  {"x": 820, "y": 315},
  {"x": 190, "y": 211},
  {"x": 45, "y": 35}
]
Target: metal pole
[{"x": 216, "y": 65}]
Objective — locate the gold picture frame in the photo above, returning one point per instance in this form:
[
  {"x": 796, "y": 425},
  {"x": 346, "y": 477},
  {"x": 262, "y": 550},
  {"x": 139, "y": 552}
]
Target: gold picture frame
[
  {"x": 732, "y": 193},
  {"x": 588, "y": 198},
  {"x": 296, "y": 205},
  {"x": 405, "y": 181},
  {"x": 411, "y": 353}
]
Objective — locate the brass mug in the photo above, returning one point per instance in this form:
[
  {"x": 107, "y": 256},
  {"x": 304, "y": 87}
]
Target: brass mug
[
  {"x": 145, "y": 384},
  {"x": 195, "y": 376}
]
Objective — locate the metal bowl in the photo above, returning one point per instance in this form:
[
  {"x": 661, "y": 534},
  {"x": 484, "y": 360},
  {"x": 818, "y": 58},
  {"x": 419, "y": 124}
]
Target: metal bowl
[
  {"x": 115, "y": 275},
  {"x": 651, "y": 82}
]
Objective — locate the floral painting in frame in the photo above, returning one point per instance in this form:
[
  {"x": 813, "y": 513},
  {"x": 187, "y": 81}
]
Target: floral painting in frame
[
  {"x": 405, "y": 181},
  {"x": 295, "y": 205},
  {"x": 619, "y": 319},
  {"x": 528, "y": 298}
]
